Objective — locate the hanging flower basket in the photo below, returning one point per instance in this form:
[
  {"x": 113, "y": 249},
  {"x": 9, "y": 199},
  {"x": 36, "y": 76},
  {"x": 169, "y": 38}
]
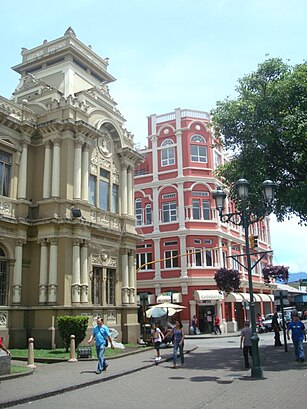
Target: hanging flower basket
[
  {"x": 279, "y": 273},
  {"x": 227, "y": 280}
]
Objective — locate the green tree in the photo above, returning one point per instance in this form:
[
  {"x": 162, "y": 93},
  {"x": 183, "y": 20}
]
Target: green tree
[
  {"x": 76, "y": 326},
  {"x": 264, "y": 129}
]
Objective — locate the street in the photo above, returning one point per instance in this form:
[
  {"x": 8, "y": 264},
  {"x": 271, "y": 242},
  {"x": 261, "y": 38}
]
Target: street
[{"x": 213, "y": 376}]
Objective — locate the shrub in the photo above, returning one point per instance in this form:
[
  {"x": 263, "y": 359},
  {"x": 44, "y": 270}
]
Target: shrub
[
  {"x": 76, "y": 326},
  {"x": 227, "y": 280}
]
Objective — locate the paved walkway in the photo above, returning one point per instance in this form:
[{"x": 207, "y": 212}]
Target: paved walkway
[{"x": 54, "y": 379}]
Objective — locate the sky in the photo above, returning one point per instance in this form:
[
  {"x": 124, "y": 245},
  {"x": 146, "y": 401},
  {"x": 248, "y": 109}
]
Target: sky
[{"x": 169, "y": 54}]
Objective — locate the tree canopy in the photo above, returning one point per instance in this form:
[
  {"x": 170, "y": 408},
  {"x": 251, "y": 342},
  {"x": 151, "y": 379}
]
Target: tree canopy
[{"x": 265, "y": 130}]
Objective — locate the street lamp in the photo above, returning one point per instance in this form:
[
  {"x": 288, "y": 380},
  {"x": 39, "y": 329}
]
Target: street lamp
[{"x": 245, "y": 218}]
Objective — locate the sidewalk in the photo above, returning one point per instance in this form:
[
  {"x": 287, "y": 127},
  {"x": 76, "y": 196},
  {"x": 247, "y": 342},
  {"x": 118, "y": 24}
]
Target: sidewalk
[{"x": 53, "y": 379}]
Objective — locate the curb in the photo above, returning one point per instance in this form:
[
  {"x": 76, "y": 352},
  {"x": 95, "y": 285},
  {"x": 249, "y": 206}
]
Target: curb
[{"x": 59, "y": 391}]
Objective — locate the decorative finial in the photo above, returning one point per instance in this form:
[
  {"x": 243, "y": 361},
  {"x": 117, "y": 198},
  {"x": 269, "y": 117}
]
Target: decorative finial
[{"x": 70, "y": 32}]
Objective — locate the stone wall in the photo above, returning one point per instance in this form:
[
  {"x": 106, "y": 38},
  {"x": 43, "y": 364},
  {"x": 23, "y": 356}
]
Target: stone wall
[{"x": 5, "y": 363}]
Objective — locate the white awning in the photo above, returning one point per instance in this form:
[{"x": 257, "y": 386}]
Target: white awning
[
  {"x": 207, "y": 295},
  {"x": 245, "y": 296},
  {"x": 234, "y": 297},
  {"x": 265, "y": 297},
  {"x": 257, "y": 298}
]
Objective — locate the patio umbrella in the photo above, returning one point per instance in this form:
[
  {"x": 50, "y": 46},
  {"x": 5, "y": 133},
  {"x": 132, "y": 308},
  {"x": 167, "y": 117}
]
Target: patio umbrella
[
  {"x": 155, "y": 312},
  {"x": 168, "y": 305}
]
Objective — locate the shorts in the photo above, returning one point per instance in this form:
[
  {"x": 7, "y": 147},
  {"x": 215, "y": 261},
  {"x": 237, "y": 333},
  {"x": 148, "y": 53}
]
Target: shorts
[{"x": 157, "y": 345}]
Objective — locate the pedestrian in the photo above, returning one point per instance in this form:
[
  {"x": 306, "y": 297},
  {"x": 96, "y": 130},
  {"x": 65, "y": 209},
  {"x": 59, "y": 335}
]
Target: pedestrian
[
  {"x": 298, "y": 336},
  {"x": 101, "y": 334},
  {"x": 194, "y": 324},
  {"x": 178, "y": 340},
  {"x": 246, "y": 342},
  {"x": 157, "y": 337},
  {"x": 217, "y": 327},
  {"x": 276, "y": 329},
  {"x": 2, "y": 346}
]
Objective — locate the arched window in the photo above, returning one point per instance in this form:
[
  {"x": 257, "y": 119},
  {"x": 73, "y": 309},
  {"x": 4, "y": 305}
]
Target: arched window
[
  {"x": 3, "y": 277},
  {"x": 138, "y": 212},
  {"x": 148, "y": 214},
  {"x": 198, "y": 149},
  {"x": 167, "y": 153}
]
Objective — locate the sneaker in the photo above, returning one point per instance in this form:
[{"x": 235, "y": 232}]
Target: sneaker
[
  {"x": 98, "y": 372},
  {"x": 159, "y": 359},
  {"x": 302, "y": 359},
  {"x": 105, "y": 367}
]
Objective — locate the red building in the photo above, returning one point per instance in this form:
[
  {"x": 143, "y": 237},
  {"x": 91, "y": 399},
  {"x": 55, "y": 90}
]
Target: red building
[{"x": 183, "y": 235}]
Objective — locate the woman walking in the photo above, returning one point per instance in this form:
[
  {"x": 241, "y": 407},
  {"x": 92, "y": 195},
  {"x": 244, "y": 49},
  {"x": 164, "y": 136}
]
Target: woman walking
[{"x": 178, "y": 340}]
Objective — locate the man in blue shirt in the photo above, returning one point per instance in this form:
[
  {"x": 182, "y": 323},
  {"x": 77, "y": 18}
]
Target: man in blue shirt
[
  {"x": 298, "y": 336},
  {"x": 101, "y": 334}
]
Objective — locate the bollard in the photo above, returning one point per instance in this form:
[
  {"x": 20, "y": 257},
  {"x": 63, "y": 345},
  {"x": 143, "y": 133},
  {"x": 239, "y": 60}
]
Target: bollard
[
  {"x": 31, "y": 353},
  {"x": 72, "y": 349}
]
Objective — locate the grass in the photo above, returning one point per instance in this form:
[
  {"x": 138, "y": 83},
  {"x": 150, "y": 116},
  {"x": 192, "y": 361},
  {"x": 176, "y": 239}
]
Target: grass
[
  {"x": 62, "y": 354},
  {"x": 18, "y": 369}
]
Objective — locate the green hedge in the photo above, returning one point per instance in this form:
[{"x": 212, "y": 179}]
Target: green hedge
[{"x": 76, "y": 326}]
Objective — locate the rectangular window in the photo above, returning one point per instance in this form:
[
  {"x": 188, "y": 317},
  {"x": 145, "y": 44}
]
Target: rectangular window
[
  {"x": 142, "y": 259},
  {"x": 103, "y": 195},
  {"x": 168, "y": 195},
  {"x": 110, "y": 287},
  {"x": 198, "y": 153},
  {"x": 115, "y": 190},
  {"x": 97, "y": 286},
  {"x": 206, "y": 210},
  {"x": 170, "y": 243},
  {"x": 92, "y": 190},
  {"x": 3, "y": 282},
  {"x": 196, "y": 209},
  {"x": 169, "y": 212},
  {"x": 198, "y": 257},
  {"x": 171, "y": 257},
  {"x": 5, "y": 173},
  {"x": 167, "y": 156},
  {"x": 197, "y": 241},
  {"x": 208, "y": 258},
  {"x": 104, "y": 188}
]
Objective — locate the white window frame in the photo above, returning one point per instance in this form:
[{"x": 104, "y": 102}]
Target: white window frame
[
  {"x": 167, "y": 153},
  {"x": 171, "y": 262},
  {"x": 170, "y": 209}
]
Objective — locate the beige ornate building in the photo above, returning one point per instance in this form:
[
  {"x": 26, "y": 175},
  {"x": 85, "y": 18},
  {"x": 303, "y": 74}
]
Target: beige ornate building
[{"x": 67, "y": 228}]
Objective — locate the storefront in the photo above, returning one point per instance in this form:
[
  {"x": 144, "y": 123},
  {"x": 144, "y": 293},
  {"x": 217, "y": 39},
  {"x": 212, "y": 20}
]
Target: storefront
[{"x": 209, "y": 304}]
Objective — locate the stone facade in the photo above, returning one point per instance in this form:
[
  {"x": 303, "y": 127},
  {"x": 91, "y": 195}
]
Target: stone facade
[{"x": 67, "y": 228}]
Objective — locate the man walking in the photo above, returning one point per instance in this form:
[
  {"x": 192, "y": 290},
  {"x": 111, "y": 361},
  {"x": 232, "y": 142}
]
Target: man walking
[
  {"x": 298, "y": 336},
  {"x": 102, "y": 335},
  {"x": 276, "y": 329},
  {"x": 246, "y": 341}
]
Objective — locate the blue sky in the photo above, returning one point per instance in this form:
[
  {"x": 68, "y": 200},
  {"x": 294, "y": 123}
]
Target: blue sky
[{"x": 167, "y": 54}]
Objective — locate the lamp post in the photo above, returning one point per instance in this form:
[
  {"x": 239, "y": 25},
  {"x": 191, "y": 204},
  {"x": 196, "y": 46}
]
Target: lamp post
[{"x": 244, "y": 219}]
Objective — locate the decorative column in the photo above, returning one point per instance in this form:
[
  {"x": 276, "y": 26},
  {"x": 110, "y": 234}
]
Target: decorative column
[
  {"x": 53, "y": 272},
  {"x": 183, "y": 259},
  {"x": 155, "y": 206},
  {"x": 125, "y": 277},
  {"x": 154, "y": 151},
  {"x": 220, "y": 315},
  {"x": 181, "y": 207},
  {"x": 47, "y": 172},
  {"x": 55, "y": 187},
  {"x": 17, "y": 277},
  {"x": 84, "y": 274},
  {"x": 179, "y": 142},
  {"x": 22, "y": 176},
  {"x": 75, "y": 285},
  {"x": 192, "y": 310},
  {"x": 124, "y": 188},
  {"x": 85, "y": 171},
  {"x": 157, "y": 257},
  {"x": 132, "y": 277},
  {"x": 43, "y": 272},
  {"x": 77, "y": 169},
  {"x": 130, "y": 191}
]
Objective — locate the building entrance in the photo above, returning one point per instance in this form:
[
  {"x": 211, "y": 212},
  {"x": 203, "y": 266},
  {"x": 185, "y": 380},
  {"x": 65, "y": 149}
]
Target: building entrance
[{"x": 206, "y": 318}]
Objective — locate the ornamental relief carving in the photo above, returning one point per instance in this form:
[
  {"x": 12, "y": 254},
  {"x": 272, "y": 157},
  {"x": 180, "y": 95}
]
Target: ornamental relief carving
[{"x": 3, "y": 319}]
